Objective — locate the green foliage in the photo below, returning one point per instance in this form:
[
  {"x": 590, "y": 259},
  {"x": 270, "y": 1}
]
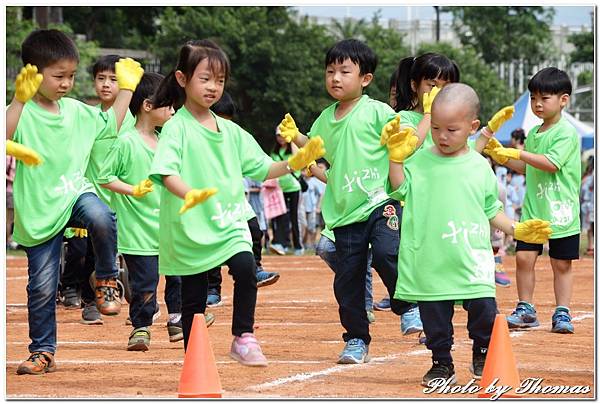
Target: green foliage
[
  {"x": 584, "y": 47},
  {"x": 277, "y": 63},
  {"x": 17, "y": 30},
  {"x": 493, "y": 92},
  {"x": 505, "y": 34}
]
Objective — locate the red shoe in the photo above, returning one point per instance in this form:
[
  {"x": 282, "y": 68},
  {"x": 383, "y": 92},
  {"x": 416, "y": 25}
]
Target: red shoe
[{"x": 107, "y": 297}]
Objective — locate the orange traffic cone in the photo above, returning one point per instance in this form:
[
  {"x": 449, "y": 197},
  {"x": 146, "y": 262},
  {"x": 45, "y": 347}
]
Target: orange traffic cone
[
  {"x": 500, "y": 363},
  {"x": 199, "y": 376}
]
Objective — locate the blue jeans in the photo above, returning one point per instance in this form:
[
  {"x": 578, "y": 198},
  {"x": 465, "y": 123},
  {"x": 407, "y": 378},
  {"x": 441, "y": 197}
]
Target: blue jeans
[
  {"x": 43, "y": 267},
  {"x": 143, "y": 281},
  {"x": 381, "y": 230},
  {"x": 326, "y": 250},
  {"x": 173, "y": 294}
]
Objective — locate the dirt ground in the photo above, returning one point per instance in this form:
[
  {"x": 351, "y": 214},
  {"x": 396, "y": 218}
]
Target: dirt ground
[{"x": 298, "y": 327}]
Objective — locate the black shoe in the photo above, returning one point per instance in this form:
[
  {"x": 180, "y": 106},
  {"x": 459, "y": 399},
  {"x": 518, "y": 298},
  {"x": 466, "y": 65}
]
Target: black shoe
[
  {"x": 439, "y": 371},
  {"x": 478, "y": 363},
  {"x": 70, "y": 297}
]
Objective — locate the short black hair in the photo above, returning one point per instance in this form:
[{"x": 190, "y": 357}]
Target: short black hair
[
  {"x": 225, "y": 106},
  {"x": 355, "y": 50},
  {"x": 144, "y": 90},
  {"x": 105, "y": 63},
  {"x": 550, "y": 80},
  {"x": 519, "y": 135},
  {"x": 44, "y": 47}
]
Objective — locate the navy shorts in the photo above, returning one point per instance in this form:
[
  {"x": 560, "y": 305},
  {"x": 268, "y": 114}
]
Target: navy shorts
[{"x": 565, "y": 248}]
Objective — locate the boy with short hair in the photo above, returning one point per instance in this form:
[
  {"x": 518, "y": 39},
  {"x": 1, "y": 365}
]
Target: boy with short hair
[
  {"x": 57, "y": 194},
  {"x": 464, "y": 270},
  {"x": 551, "y": 163},
  {"x": 355, "y": 205}
]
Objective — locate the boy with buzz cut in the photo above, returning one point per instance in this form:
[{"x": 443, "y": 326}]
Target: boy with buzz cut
[
  {"x": 56, "y": 194},
  {"x": 451, "y": 197},
  {"x": 355, "y": 205},
  {"x": 551, "y": 163}
]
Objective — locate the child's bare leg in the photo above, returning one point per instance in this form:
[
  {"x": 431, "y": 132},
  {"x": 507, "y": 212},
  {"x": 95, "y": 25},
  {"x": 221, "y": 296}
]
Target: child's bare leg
[
  {"x": 563, "y": 281},
  {"x": 526, "y": 274}
]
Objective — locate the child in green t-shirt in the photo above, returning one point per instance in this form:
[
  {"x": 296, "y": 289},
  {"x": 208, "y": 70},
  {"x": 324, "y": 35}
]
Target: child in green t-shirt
[
  {"x": 56, "y": 194},
  {"x": 355, "y": 205},
  {"x": 552, "y": 167},
  {"x": 198, "y": 153},
  {"x": 463, "y": 268}
]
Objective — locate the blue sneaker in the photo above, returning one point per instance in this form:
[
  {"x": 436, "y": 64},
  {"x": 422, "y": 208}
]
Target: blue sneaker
[
  {"x": 561, "y": 321},
  {"x": 264, "y": 278},
  {"x": 383, "y": 304},
  {"x": 355, "y": 351},
  {"x": 213, "y": 300},
  {"x": 410, "y": 322},
  {"x": 524, "y": 316}
]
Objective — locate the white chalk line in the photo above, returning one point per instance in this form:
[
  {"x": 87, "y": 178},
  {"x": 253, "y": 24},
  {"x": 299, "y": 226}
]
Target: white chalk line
[{"x": 158, "y": 362}]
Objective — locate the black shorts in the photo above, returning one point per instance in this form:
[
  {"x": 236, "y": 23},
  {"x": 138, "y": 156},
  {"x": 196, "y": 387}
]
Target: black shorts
[{"x": 565, "y": 248}]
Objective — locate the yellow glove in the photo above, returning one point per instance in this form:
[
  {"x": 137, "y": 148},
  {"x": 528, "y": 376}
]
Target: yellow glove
[
  {"x": 196, "y": 196},
  {"x": 129, "y": 73},
  {"x": 23, "y": 153},
  {"x": 428, "y": 99},
  {"x": 509, "y": 153},
  {"x": 500, "y": 117},
  {"x": 402, "y": 144},
  {"x": 492, "y": 148},
  {"x": 144, "y": 187},
  {"x": 289, "y": 130},
  {"x": 78, "y": 232},
  {"x": 27, "y": 83},
  {"x": 312, "y": 150},
  {"x": 311, "y": 164},
  {"x": 389, "y": 129},
  {"x": 534, "y": 231}
]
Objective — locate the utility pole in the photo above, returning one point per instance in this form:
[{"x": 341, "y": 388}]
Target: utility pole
[{"x": 437, "y": 23}]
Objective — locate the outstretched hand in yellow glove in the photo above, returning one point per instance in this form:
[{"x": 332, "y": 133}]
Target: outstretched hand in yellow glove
[
  {"x": 23, "y": 153},
  {"x": 144, "y": 187},
  {"x": 500, "y": 117},
  {"x": 428, "y": 99},
  {"x": 535, "y": 231},
  {"x": 312, "y": 150},
  {"x": 27, "y": 83},
  {"x": 492, "y": 148},
  {"x": 288, "y": 129},
  {"x": 401, "y": 143},
  {"x": 195, "y": 196},
  {"x": 129, "y": 73},
  {"x": 509, "y": 153},
  {"x": 79, "y": 232}
]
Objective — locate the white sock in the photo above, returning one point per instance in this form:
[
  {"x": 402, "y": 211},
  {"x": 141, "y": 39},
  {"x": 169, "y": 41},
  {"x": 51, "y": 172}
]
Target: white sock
[{"x": 174, "y": 317}]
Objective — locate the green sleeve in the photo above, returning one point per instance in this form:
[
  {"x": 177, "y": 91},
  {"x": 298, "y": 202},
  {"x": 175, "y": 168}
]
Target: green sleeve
[
  {"x": 168, "y": 156},
  {"x": 116, "y": 164},
  {"x": 562, "y": 148},
  {"x": 492, "y": 204},
  {"x": 106, "y": 124},
  {"x": 255, "y": 163}
]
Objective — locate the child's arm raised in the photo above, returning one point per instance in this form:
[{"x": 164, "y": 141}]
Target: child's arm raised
[
  {"x": 139, "y": 190},
  {"x": 492, "y": 149},
  {"x": 129, "y": 73},
  {"x": 26, "y": 85},
  {"x": 534, "y": 231},
  {"x": 493, "y": 126},
  {"x": 425, "y": 125},
  {"x": 401, "y": 144},
  {"x": 312, "y": 151},
  {"x": 290, "y": 132}
]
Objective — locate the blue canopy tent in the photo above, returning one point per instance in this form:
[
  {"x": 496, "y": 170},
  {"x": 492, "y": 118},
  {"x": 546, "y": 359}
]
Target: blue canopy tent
[{"x": 525, "y": 119}]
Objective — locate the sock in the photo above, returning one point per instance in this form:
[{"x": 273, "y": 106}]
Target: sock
[{"x": 174, "y": 317}]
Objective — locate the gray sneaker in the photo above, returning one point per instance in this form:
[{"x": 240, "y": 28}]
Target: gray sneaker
[
  {"x": 139, "y": 339},
  {"x": 90, "y": 314}
]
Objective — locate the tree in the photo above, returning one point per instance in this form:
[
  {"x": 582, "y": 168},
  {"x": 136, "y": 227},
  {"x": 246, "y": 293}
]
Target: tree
[
  {"x": 505, "y": 34},
  {"x": 493, "y": 92},
  {"x": 277, "y": 62},
  {"x": 584, "y": 47},
  {"x": 348, "y": 28}
]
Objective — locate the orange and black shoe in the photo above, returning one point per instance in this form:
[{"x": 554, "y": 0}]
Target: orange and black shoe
[
  {"x": 38, "y": 363},
  {"x": 107, "y": 297}
]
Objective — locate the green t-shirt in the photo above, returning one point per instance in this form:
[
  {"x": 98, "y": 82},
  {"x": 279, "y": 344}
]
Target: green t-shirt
[
  {"x": 287, "y": 182},
  {"x": 211, "y": 232},
  {"x": 554, "y": 196},
  {"x": 359, "y": 164},
  {"x": 327, "y": 232},
  {"x": 45, "y": 195},
  {"x": 129, "y": 160},
  {"x": 99, "y": 154},
  {"x": 445, "y": 249}
]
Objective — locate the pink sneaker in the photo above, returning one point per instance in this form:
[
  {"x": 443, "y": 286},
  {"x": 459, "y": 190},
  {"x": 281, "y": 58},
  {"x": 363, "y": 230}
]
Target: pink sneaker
[{"x": 245, "y": 350}]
